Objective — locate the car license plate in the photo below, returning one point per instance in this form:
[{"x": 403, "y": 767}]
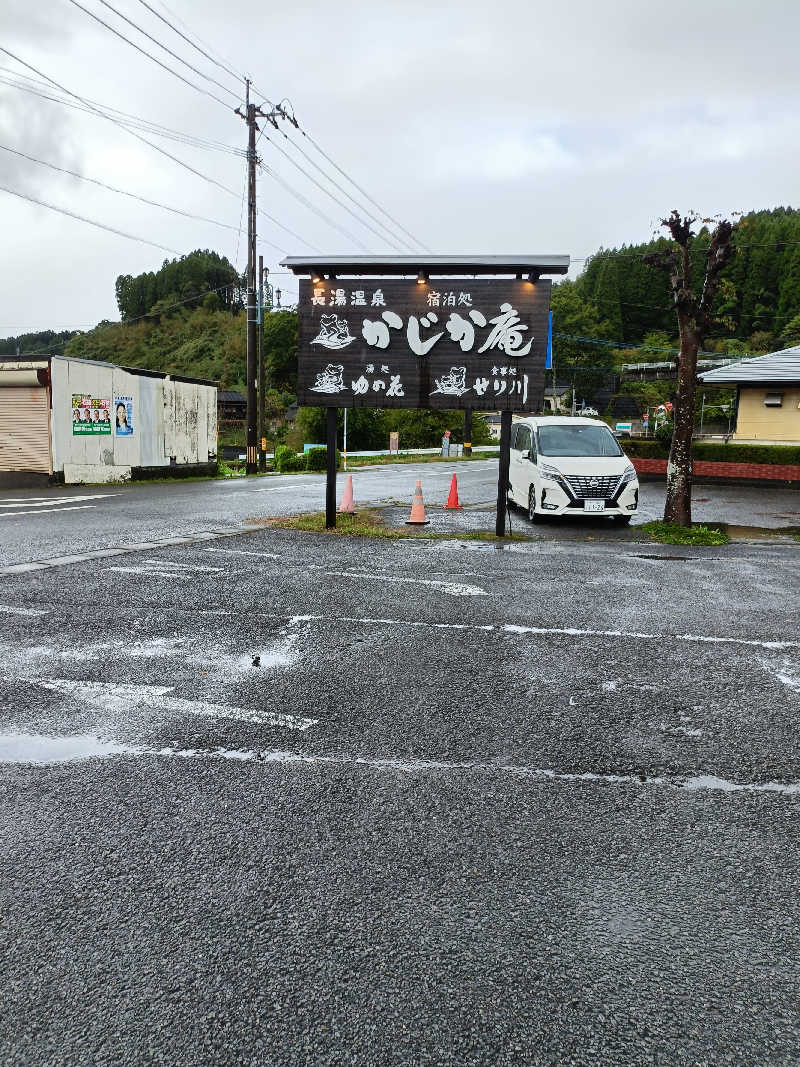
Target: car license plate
[{"x": 594, "y": 505}]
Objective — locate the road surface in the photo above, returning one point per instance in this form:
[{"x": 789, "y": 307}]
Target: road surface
[
  {"x": 36, "y": 524},
  {"x": 359, "y": 802}
]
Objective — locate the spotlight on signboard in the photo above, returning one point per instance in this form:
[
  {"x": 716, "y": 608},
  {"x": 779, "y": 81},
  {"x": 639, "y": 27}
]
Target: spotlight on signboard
[
  {"x": 422, "y": 277},
  {"x": 316, "y": 277},
  {"x": 533, "y": 277}
]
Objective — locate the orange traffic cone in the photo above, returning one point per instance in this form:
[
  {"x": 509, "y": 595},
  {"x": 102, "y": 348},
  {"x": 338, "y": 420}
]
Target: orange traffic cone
[
  {"x": 452, "y": 501},
  {"x": 346, "y": 507},
  {"x": 417, "y": 516}
]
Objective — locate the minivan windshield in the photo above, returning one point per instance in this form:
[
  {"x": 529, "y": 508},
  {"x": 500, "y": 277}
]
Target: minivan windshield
[{"x": 577, "y": 441}]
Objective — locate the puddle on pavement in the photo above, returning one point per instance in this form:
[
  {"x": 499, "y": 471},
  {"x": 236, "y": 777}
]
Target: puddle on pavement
[
  {"x": 756, "y": 533},
  {"x": 38, "y": 748},
  {"x": 645, "y": 555}
]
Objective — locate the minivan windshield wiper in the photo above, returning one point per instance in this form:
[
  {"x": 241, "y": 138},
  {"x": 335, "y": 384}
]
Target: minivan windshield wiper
[{"x": 591, "y": 441}]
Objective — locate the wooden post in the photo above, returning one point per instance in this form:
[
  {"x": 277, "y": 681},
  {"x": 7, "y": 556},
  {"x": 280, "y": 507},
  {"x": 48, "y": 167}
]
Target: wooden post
[
  {"x": 330, "y": 482},
  {"x": 502, "y": 478},
  {"x": 467, "y": 431}
]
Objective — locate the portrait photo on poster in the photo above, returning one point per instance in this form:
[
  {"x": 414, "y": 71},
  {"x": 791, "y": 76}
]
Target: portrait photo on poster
[
  {"x": 123, "y": 416},
  {"x": 90, "y": 415}
]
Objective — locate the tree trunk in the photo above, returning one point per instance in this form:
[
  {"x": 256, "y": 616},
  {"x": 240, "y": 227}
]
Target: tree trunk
[{"x": 678, "y": 505}]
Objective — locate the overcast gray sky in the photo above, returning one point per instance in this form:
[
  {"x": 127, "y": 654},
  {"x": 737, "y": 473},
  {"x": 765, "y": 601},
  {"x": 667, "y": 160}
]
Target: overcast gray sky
[{"x": 507, "y": 126}]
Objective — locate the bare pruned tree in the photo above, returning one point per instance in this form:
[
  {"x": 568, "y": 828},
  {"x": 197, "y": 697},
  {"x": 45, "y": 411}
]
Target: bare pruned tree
[{"x": 695, "y": 318}]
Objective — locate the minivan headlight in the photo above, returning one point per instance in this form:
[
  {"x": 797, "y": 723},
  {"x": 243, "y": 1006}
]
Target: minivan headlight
[
  {"x": 629, "y": 474},
  {"x": 551, "y": 474}
]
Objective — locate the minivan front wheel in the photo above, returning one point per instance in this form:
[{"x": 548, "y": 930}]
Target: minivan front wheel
[{"x": 532, "y": 513}]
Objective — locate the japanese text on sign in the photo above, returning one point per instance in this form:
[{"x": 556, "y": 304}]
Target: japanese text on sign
[{"x": 391, "y": 342}]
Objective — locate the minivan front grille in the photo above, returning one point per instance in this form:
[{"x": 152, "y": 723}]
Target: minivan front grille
[{"x": 593, "y": 487}]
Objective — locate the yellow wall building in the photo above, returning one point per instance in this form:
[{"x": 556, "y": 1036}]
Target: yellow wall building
[
  {"x": 768, "y": 415},
  {"x": 768, "y": 387}
]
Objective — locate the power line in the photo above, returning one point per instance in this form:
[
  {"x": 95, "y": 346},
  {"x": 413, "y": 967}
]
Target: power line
[
  {"x": 307, "y": 203},
  {"x": 169, "y": 51},
  {"x": 335, "y": 199},
  {"x": 122, "y": 118},
  {"x": 91, "y": 108},
  {"x": 91, "y": 222},
  {"x": 363, "y": 192},
  {"x": 291, "y": 233},
  {"x": 122, "y": 37},
  {"x": 202, "y": 52},
  {"x": 341, "y": 188},
  {"x": 114, "y": 189},
  {"x": 624, "y": 347},
  {"x": 101, "y": 112},
  {"x": 138, "y": 136}
]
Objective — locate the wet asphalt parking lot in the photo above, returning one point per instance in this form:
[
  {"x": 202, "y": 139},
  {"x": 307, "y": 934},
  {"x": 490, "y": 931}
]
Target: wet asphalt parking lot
[
  {"x": 46, "y": 523},
  {"x": 519, "y": 805}
]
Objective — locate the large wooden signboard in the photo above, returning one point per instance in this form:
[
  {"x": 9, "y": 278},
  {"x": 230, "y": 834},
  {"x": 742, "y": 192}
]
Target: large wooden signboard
[{"x": 447, "y": 343}]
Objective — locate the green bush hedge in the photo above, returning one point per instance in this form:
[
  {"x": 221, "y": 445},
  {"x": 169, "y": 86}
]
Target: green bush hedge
[
  {"x": 316, "y": 459},
  {"x": 718, "y": 453}
]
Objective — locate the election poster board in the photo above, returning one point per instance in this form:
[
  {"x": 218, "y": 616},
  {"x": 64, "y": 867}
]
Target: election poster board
[
  {"x": 123, "y": 416},
  {"x": 91, "y": 415},
  {"x": 448, "y": 343}
]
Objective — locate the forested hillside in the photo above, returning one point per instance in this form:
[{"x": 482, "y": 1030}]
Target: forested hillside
[
  {"x": 759, "y": 300},
  {"x": 42, "y": 343},
  {"x": 188, "y": 316},
  {"x": 185, "y": 279}
]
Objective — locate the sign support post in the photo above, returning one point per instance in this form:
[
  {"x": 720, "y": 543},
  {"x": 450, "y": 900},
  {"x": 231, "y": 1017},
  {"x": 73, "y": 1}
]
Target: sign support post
[
  {"x": 502, "y": 477},
  {"x": 467, "y": 431},
  {"x": 330, "y": 482}
]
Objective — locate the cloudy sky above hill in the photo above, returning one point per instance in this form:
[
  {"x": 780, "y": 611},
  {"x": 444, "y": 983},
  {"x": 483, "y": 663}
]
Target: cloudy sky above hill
[{"x": 502, "y": 127}]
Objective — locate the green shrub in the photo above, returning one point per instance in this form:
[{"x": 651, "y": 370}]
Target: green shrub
[
  {"x": 647, "y": 448},
  {"x": 287, "y": 460},
  {"x": 644, "y": 448},
  {"x": 664, "y": 432},
  {"x": 224, "y": 470},
  {"x": 317, "y": 459},
  {"x": 670, "y": 533},
  {"x": 735, "y": 453}
]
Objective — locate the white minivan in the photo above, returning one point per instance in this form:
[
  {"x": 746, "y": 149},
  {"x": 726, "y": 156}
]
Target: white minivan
[{"x": 563, "y": 465}]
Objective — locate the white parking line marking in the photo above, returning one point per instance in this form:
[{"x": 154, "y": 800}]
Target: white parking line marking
[
  {"x": 185, "y": 566},
  {"x": 151, "y": 572},
  {"x": 124, "y": 697},
  {"x": 43, "y": 502},
  {"x": 514, "y": 629},
  {"x": 42, "y": 511},
  {"x": 10, "y": 609},
  {"x": 451, "y": 588},
  {"x": 239, "y": 552},
  {"x": 545, "y": 774}
]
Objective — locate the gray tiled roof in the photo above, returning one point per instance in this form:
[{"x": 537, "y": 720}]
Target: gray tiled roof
[{"x": 772, "y": 369}]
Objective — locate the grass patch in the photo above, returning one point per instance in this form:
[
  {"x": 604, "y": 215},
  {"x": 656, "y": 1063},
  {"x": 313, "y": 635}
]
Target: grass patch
[
  {"x": 368, "y": 523},
  {"x": 372, "y": 461},
  {"x": 670, "y": 533}
]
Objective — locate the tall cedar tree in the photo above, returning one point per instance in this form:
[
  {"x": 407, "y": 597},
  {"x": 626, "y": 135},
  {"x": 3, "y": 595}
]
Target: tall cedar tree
[{"x": 695, "y": 318}]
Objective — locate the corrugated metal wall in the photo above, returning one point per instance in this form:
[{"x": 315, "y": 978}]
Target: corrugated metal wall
[{"x": 173, "y": 421}]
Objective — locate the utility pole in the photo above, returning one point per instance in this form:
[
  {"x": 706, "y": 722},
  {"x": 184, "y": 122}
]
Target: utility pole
[
  {"x": 255, "y": 370},
  {"x": 262, "y": 377},
  {"x": 250, "y": 115}
]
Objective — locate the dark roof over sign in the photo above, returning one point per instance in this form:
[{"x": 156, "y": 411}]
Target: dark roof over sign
[
  {"x": 229, "y": 396},
  {"x": 775, "y": 368},
  {"x": 443, "y": 265}
]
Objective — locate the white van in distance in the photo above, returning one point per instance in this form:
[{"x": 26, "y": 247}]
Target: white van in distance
[{"x": 570, "y": 466}]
